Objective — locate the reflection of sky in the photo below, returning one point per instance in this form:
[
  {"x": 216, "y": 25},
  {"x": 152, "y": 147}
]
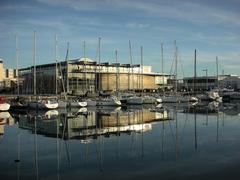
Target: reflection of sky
[
  {"x": 212, "y": 27},
  {"x": 137, "y": 155}
]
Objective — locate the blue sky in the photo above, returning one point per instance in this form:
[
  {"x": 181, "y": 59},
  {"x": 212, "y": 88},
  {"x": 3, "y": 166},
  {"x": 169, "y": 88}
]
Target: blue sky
[{"x": 211, "y": 27}]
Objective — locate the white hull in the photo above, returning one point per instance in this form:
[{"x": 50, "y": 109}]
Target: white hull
[
  {"x": 4, "y": 107},
  {"x": 43, "y": 105},
  {"x": 159, "y": 100},
  {"x": 78, "y": 104}
]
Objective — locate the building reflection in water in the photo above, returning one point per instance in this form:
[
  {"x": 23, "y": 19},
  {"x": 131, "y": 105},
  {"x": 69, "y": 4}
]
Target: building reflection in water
[{"x": 92, "y": 123}]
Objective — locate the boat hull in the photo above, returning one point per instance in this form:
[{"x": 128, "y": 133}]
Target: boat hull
[
  {"x": 43, "y": 105},
  {"x": 4, "y": 107},
  {"x": 78, "y": 104}
]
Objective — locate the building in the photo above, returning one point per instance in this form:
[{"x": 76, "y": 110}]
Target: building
[
  {"x": 204, "y": 83},
  {"x": 2, "y": 75},
  {"x": 231, "y": 82},
  {"x": 81, "y": 76}
]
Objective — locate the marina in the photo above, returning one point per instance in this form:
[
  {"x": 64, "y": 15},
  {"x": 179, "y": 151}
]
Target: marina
[{"x": 119, "y": 90}]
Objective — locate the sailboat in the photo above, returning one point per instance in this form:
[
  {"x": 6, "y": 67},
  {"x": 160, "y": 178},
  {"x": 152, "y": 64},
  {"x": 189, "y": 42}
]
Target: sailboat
[
  {"x": 146, "y": 99},
  {"x": 18, "y": 103},
  {"x": 177, "y": 98},
  {"x": 90, "y": 102},
  {"x": 78, "y": 103},
  {"x": 109, "y": 101},
  {"x": 131, "y": 98},
  {"x": 44, "y": 103},
  {"x": 212, "y": 95}
]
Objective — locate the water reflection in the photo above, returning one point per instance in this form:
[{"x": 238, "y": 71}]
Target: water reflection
[
  {"x": 90, "y": 123},
  {"x": 169, "y": 138}
]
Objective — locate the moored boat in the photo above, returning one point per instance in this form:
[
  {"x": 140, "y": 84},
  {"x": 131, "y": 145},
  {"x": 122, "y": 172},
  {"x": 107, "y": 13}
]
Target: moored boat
[
  {"x": 78, "y": 103},
  {"x": 43, "y": 104},
  {"x": 112, "y": 101}
]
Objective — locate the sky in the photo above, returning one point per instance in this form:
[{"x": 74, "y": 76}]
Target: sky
[{"x": 210, "y": 27}]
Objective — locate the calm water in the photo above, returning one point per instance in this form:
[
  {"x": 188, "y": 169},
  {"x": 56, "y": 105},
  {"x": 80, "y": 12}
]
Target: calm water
[{"x": 173, "y": 142}]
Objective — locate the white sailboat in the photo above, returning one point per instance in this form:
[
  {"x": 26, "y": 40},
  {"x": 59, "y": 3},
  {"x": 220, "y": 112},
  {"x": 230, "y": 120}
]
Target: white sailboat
[
  {"x": 40, "y": 104},
  {"x": 112, "y": 100},
  {"x": 176, "y": 97},
  {"x": 44, "y": 104},
  {"x": 212, "y": 95},
  {"x": 146, "y": 99}
]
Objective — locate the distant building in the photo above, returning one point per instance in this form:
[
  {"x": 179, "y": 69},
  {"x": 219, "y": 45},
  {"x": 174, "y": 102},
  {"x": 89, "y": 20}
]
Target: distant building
[
  {"x": 203, "y": 83},
  {"x": 232, "y": 82},
  {"x": 81, "y": 76},
  {"x": 8, "y": 79}
]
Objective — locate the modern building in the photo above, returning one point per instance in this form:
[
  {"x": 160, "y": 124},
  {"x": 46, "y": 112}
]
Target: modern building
[{"x": 81, "y": 76}]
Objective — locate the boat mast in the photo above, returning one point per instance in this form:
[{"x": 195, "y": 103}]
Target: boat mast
[
  {"x": 99, "y": 59},
  {"x": 84, "y": 55},
  {"x": 117, "y": 70},
  {"x": 131, "y": 65},
  {"x": 56, "y": 67},
  {"x": 217, "y": 71},
  {"x": 162, "y": 67},
  {"x": 34, "y": 63},
  {"x": 142, "y": 69},
  {"x": 195, "y": 72},
  {"x": 17, "y": 57},
  {"x": 67, "y": 67},
  {"x": 176, "y": 63}
]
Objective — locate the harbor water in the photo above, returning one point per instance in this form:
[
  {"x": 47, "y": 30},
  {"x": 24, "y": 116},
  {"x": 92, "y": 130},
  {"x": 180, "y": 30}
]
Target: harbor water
[{"x": 173, "y": 141}]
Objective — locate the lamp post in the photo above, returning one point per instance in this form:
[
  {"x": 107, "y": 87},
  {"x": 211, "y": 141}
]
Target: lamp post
[{"x": 206, "y": 78}]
